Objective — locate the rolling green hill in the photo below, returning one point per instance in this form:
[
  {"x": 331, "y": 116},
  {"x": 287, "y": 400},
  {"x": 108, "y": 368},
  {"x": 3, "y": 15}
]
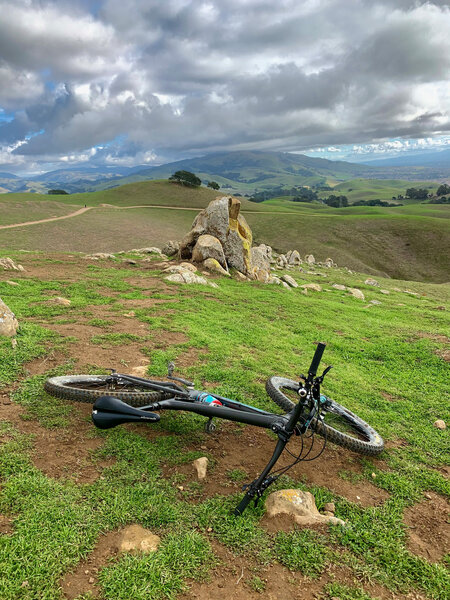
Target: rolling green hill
[{"x": 405, "y": 242}]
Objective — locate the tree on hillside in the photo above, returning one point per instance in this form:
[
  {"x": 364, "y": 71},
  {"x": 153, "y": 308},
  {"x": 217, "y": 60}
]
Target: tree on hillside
[
  {"x": 57, "y": 192},
  {"x": 185, "y": 178},
  {"x": 336, "y": 201},
  {"x": 443, "y": 190},
  {"x": 214, "y": 185},
  {"x": 417, "y": 193}
]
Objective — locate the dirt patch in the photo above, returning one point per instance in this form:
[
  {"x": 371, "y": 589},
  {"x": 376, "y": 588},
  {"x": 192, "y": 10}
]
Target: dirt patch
[
  {"x": 84, "y": 579},
  {"x": 6, "y": 527},
  {"x": 64, "y": 452},
  {"x": 248, "y": 450},
  {"x": 429, "y": 527},
  {"x": 234, "y": 577}
]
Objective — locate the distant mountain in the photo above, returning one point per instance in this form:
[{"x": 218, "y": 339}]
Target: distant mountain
[
  {"x": 244, "y": 172},
  {"x": 424, "y": 159},
  {"x": 7, "y": 175}
]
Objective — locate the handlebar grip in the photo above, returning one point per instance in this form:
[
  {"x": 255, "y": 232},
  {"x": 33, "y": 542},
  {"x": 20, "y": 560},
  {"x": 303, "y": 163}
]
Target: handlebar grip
[
  {"x": 317, "y": 358},
  {"x": 242, "y": 505}
]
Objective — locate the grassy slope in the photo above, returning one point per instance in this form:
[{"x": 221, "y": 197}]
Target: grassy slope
[
  {"x": 384, "y": 189},
  {"x": 247, "y": 332},
  {"x": 409, "y": 242}
]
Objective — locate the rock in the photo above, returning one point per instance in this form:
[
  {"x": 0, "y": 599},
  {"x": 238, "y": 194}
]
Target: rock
[
  {"x": 260, "y": 262},
  {"x": 309, "y": 258},
  {"x": 212, "y": 265},
  {"x": 300, "y": 505},
  {"x": 129, "y": 261},
  {"x": 286, "y": 285},
  {"x": 294, "y": 258},
  {"x": 201, "y": 465},
  {"x": 186, "y": 277},
  {"x": 329, "y": 262},
  {"x": 208, "y": 246},
  {"x": 130, "y": 314},
  {"x": 385, "y": 292},
  {"x": 274, "y": 280},
  {"x": 150, "y": 250},
  {"x": 289, "y": 280},
  {"x": 281, "y": 261},
  {"x": 140, "y": 371},
  {"x": 330, "y": 507},
  {"x": 312, "y": 286},
  {"x": 411, "y": 293},
  {"x": 100, "y": 256},
  {"x": 180, "y": 268},
  {"x": 338, "y": 286},
  {"x": 356, "y": 293},
  {"x": 62, "y": 301},
  {"x": 240, "y": 276},
  {"x": 7, "y": 264},
  {"x": 440, "y": 424},
  {"x": 136, "y": 538},
  {"x": 376, "y": 302},
  {"x": 11, "y": 282},
  {"x": 8, "y": 321},
  {"x": 373, "y": 282},
  {"x": 170, "y": 248}
]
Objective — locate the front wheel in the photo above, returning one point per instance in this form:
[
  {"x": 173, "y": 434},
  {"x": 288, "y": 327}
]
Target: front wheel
[
  {"x": 88, "y": 388},
  {"x": 336, "y": 423}
]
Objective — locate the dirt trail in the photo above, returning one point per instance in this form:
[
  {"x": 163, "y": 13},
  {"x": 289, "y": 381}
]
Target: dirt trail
[
  {"x": 86, "y": 208},
  {"x": 74, "y": 214}
]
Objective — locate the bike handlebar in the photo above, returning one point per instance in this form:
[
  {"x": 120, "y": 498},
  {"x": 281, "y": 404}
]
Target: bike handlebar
[{"x": 316, "y": 360}]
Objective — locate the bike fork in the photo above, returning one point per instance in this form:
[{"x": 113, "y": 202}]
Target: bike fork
[{"x": 259, "y": 485}]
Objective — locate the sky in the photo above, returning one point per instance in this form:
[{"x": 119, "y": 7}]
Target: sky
[{"x": 126, "y": 82}]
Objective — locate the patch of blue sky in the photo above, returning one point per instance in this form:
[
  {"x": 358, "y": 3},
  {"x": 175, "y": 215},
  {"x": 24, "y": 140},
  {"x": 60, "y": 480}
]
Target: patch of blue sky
[{"x": 6, "y": 117}]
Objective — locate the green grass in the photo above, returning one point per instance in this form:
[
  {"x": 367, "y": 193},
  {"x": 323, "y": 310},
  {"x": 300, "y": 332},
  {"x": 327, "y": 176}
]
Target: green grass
[
  {"x": 385, "y": 370},
  {"x": 407, "y": 242},
  {"x": 384, "y": 189}
]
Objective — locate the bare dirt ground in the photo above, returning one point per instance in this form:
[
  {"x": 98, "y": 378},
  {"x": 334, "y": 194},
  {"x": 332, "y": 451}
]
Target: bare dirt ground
[{"x": 69, "y": 453}]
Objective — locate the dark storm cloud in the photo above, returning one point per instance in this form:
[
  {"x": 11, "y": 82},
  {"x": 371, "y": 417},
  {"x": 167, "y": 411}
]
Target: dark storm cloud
[{"x": 151, "y": 79}]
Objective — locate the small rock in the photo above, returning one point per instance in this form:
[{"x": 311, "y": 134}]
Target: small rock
[
  {"x": 213, "y": 265},
  {"x": 240, "y": 276},
  {"x": 309, "y": 258},
  {"x": 130, "y": 261},
  {"x": 315, "y": 287},
  {"x": 338, "y": 286},
  {"x": 171, "y": 248},
  {"x": 330, "y": 506},
  {"x": 289, "y": 280},
  {"x": 293, "y": 258},
  {"x": 135, "y": 537},
  {"x": 152, "y": 250},
  {"x": 140, "y": 371},
  {"x": 373, "y": 282},
  {"x": 374, "y": 302},
  {"x": 329, "y": 263},
  {"x": 209, "y": 529},
  {"x": 62, "y": 301},
  {"x": 14, "y": 342},
  {"x": 374, "y": 475},
  {"x": 281, "y": 261},
  {"x": 201, "y": 465},
  {"x": 440, "y": 424},
  {"x": 11, "y": 282},
  {"x": 180, "y": 487},
  {"x": 99, "y": 255},
  {"x": 385, "y": 292},
  {"x": 7, "y": 264},
  {"x": 286, "y": 285},
  {"x": 428, "y": 496},
  {"x": 8, "y": 321},
  {"x": 188, "y": 266},
  {"x": 24, "y": 584},
  {"x": 356, "y": 293},
  {"x": 86, "y": 572},
  {"x": 91, "y": 580},
  {"x": 130, "y": 314},
  {"x": 300, "y": 505}
]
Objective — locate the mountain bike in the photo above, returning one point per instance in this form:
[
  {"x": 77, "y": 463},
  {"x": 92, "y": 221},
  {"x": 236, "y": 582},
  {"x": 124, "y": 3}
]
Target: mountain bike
[{"x": 120, "y": 398}]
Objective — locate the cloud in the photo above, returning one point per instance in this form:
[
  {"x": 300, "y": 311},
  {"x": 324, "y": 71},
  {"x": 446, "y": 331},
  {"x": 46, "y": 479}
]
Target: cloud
[{"x": 151, "y": 79}]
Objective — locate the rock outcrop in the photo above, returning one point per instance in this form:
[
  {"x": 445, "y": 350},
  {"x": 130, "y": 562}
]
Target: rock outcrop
[
  {"x": 8, "y": 321},
  {"x": 208, "y": 246},
  {"x": 222, "y": 220}
]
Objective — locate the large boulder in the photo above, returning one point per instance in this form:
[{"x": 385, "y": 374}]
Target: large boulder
[
  {"x": 8, "y": 321},
  {"x": 293, "y": 258},
  {"x": 170, "y": 248},
  {"x": 208, "y": 246},
  {"x": 222, "y": 220}
]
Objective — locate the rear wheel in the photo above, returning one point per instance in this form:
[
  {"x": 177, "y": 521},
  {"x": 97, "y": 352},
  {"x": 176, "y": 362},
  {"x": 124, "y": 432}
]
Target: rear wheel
[
  {"x": 87, "y": 388},
  {"x": 336, "y": 423}
]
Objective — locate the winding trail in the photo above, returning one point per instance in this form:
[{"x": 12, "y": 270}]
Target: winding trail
[{"x": 83, "y": 210}]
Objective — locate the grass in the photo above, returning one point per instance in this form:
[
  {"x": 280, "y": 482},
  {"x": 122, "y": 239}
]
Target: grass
[
  {"x": 385, "y": 369},
  {"x": 407, "y": 242}
]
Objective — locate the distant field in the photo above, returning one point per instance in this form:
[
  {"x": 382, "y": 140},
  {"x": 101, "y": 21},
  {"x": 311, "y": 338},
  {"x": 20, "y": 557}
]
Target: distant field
[
  {"x": 406, "y": 242},
  {"x": 384, "y": 189}
]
